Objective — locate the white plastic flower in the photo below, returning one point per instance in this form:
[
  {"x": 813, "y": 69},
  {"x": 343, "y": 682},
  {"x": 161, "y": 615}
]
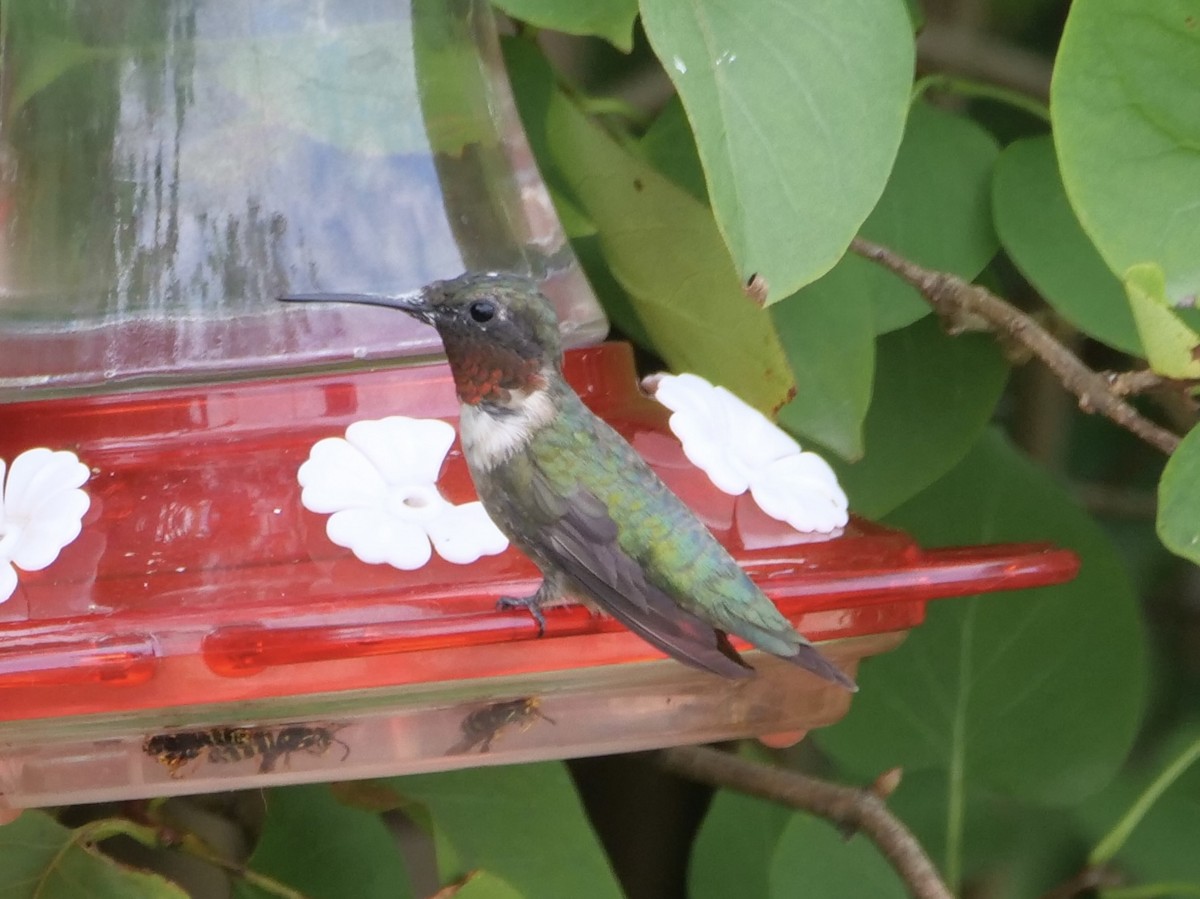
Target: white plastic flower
[
  {"x": 41, "y": 511},
  {"x": 379, "y": 483},
  {"x": 740, "y": 449}
]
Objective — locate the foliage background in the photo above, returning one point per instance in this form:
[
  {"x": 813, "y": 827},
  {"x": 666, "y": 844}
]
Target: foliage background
[{"x": 1049, "y": 151}]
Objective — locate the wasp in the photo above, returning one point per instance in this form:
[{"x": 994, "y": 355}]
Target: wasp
[
  {"x": 177, "y": 749},
  {"x": 482, "y": 726},
  {"x": 233, "y": 744},
  {"x": 273, "y": 744}
]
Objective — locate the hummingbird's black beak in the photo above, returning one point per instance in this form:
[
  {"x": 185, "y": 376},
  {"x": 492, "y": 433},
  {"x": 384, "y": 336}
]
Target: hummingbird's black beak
[{"x": 413, "y": 302}]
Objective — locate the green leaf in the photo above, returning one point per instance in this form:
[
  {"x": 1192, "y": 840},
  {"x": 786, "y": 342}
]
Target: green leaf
[
  {"x": 325, "y": 849},
  {"x": 1126, "y": 113},
  {"x": 1179, "y": 499},
  {"x": 664, "y": 249},
  {"x": 620, "y": 309},
  {"x": 609, "y": 19},
  {"x": 1018, "y": 850},
  {"x": 1035, "y": 694},
  {"x": 936, "y": 210},
  {"x": 813, "y": 859},
  {"x": 1041, "y": 234},
  {"x": 520, "y": 822},
  {"x": 41, "y": 859},
  {"x": 798, "y": 111},
  {"x": 829, "y": 334},
  {"x": 1171, "y": 345},
  {"x": 735, "y": 846},
  {"x": 932, "y": 396},
  {"x": 669, "y": 146}
]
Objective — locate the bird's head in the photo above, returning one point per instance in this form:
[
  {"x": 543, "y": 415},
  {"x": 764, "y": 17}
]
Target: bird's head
[{"x": 500, "y": 332}]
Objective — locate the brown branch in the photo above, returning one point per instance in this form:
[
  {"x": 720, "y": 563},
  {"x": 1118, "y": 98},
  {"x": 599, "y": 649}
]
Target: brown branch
[
  {"x": 847, "y": 808},
  {"x": 963, "y": 305}
]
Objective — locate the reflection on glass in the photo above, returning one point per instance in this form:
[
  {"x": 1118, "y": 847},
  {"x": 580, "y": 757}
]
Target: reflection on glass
[{"x": 168, "y": 167}]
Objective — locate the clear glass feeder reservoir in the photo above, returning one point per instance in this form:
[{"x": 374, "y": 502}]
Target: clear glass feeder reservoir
[{"x": 167, "y": 168}]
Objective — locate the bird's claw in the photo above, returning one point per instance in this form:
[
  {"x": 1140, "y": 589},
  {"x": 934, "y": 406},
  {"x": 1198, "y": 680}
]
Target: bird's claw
[{"x": 531, "y": 604}]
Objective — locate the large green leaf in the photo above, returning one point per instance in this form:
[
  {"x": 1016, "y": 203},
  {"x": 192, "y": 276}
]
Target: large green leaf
[
  {"x": 325, "y": 849},
  {"x": 1036, "y": 694},
  {"x": 936, "y": 209},
  {"x": 1017, "y": 849},
  {"x": 609, "y": 19},
  {"x": 798, "y": 110},
  {"x": 1125, "y": 103},
  {"x": 670, "y": 147},
  {"x": 41, "y": 859},
  {"x": 664, "y": 249},
  {"x": 1179, "y": 499},
  {"x": 826, "y": 329},
  {"x": 735, "y": 846},
  {"x": 1044, "y": 239},
  {"x": 523, "y": 823},
  {"x": 932, "y": 396},
  {"x": 828, "y": 332},
  {"x": 812, "y": 859}
]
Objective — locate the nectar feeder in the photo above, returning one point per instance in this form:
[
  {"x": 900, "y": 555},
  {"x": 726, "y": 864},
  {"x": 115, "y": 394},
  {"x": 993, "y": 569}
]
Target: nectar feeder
[{"x": 201, "y": 606}]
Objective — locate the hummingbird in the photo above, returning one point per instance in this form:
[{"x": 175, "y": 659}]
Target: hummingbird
[{"x": 575, "y": 497}]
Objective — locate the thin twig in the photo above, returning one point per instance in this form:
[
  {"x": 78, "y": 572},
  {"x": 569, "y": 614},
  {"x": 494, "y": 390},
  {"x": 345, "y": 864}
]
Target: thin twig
[
  {"x": 846, "y": 808},
  {"x": 1132, "y": 383},
  {"x": 963, "y": 305},
  {"x": 983, "y": 90}
]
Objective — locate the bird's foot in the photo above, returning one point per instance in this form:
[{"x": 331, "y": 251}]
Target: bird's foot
[
  {"x": 548, "y": 593},
  {"x": 531, "y": 604}
]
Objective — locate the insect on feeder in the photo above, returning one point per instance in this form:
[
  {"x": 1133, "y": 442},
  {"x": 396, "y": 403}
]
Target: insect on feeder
[{"x": 239, "y": 543}]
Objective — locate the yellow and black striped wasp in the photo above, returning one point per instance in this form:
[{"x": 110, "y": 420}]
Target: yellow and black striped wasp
[
  {"x": 225, "y": 745},
  {"x": 482, "y": 726},
  {"x": 273, "y": 744}
]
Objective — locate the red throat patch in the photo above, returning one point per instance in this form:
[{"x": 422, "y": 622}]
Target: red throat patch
[{"x": 484, "y": 372}]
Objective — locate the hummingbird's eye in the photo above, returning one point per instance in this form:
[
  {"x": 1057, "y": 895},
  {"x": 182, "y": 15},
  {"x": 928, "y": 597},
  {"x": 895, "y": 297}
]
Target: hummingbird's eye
[{"x": 482, "y": 310}]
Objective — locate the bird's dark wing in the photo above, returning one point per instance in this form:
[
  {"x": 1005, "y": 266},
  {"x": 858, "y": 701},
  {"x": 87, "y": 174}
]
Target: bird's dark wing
[
  {"x": 583, "y": 544},
  {"x": 569, "y": 532}
]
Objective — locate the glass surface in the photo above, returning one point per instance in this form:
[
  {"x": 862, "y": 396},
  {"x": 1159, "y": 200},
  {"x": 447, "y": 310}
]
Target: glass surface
[{"x": 169, "y": 167}]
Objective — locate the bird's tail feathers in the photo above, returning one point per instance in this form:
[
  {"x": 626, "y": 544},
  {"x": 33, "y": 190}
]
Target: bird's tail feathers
[
  {"x": 689, "y": 641},
  {"x": 811, "y": 659}
]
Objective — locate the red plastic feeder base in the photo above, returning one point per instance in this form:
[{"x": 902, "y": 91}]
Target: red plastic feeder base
[{"x": 201, "y": 594}]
